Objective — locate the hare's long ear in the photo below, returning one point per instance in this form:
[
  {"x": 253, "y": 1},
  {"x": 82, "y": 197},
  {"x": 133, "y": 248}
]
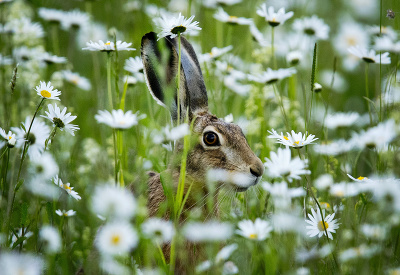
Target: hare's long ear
[{"x": 192, "y": 94}]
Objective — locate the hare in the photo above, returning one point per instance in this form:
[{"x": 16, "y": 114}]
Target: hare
[{"x": 221, "y": 145}]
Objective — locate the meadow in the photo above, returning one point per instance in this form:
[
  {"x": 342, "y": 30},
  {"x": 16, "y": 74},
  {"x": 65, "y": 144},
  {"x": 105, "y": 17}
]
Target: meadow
[{"x": 312, "y": 84}]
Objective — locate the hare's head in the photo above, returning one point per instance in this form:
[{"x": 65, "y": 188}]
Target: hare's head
[{"x": 222, "y": 147}]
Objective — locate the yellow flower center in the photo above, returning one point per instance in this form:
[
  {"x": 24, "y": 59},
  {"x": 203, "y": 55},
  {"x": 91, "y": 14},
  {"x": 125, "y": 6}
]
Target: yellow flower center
[
  {"x": 285, "y": 137},
  {"x": 233, "y": 18},
  {"x": 67, "y": 187},
  {"x": 65, "y": 214},
  {"x": 361, "y": 178},
  {"x": 296, "y": 142},
  {"x": 108, "y": 43},
  {"x": 321, "y": 225},
  {"x": 10, "y": 137},
  {"x": 253, "y": 236},
  {"x": 351, "y": 41},
  {"x": 115, "y": 239},
  {"x": 325, "y": 204},
  {"x": 45, "y": 94},
  {"x": 75, "y": 80}
]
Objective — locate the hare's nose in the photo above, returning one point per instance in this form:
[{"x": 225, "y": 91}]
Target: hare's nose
[{"x": 257, "y": 170}]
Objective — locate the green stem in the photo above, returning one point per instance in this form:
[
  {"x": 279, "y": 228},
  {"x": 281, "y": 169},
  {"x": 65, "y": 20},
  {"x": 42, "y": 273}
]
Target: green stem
[
  {"x": 27, "y": 139},
  {"x": 178, "y": 103},
  {"x": 24, "y": 151},
  {"x": 380, "y": 64},
  {"x": 367, "y": 92},
  {"x": 54, "y": 37},
  {"x": 115, "y": 157},
  {"x": 120, "y": 157},
  {"x": 51, "y": 136},
  {"x": 5, "y": 150},
  {"x": 273, "y": 47},
  {"x": 110, "y": 99}
]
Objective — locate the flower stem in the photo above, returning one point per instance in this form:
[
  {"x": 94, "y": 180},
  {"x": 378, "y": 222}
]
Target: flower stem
[
  {"x": 367, "y": 92},
  {"x": 27, "y": 139},
  {"x": 178, "y": 103},
  {"x": 24, "y": 151},
  {"x": 273, "y": 47},
  {"x": 115, "y": 157},
  {"x": 120, "y": 158},
  {"x": 110, "y": 99},
  {"x": 51, "y": 136}
]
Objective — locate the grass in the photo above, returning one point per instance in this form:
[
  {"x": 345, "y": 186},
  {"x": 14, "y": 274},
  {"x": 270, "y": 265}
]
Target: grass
[{"x": 98, "y": 155}]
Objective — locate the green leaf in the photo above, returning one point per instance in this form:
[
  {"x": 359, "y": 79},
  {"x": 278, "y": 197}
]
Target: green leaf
[
  {"x": 50, "y": 211},
  {"x": 19, "y": 241},
  {"x": 24, "y": 213},
  {"x": 19, "y": 184}
]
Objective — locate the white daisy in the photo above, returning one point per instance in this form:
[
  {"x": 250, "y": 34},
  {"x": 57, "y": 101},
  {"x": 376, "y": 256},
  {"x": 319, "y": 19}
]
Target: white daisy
[
  {"x": 117, "y": 119},
  {"x": 61, "y": 119},
  {"x": 230, "y": 268},
  {"x": 288, "y": 221},
  {"x": 113, "y": 202},
  {"x": 52, "y": 59},
  {"x": 272, "y": 76},
  {"x": 134, "y": 65},
  {"x": 317, "y": 226},
  {"x": 281, "y": 164},
  {"x": 334, "y": 148},
  {"x": 51, "y": 15},
  {"x": 37, "y": 136},
  {"x": 47, "y": 91},
  {"x": 19, "y": 263},
  {"x": 50, "y": 236},
  {"x": 57, "y": 181},
  {"x": 258, "y": 36},
  {"x": 75, "y": 19},
  {"x": 79, "y": 81},
  {"x": 369, "y": 56},
  {"x": 344, "y": 190},
  {"x": 172, "y": 26},
  {"x": 296, "y": 140},
  {"x": 222, "y": 16},
  {"x": 258, "y": 230},
  {"x": 43, "y": 167},
  {"x": 116, "y": 238},
  {"x": 160, "y": 231},
  {"x": 336, "y": 120},
  {"x": 359, "y": 179},
  {"x": 375, "y": 231},
  {"x": 63, "y": 213},
  {"x": 361, "y": 252},
  {"x": 214, "y": 54},
  {"x": 210, "y": 231},
  {"x": 9, "y": 138},
  {"x": 350, "y": 34},
  {"x": 313, "y": 27},
  {"x": 5, "y": 60},
  {"x": 376, "y": 137},
  {"x": 386, "y": 44},
  {"x": 225, "y": 253},
  {"x": 282, "y": 195},
  {"x": 273, "y": 19},
  {"x": 212, "y": 4},
  {"x": 294, "y": 57},
  {"x": 109, "y": 46}
]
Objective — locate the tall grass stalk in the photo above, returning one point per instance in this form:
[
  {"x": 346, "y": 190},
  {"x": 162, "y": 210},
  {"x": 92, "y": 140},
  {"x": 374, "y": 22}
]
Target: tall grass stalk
[
  {"x": 367, "y": 92},
  {"x": 110, "y": 97},
  {"x": 178, "y": 102}
]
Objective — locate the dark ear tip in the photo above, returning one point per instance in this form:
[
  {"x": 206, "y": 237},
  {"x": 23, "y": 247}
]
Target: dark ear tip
[{"x": 152, "y": 36}]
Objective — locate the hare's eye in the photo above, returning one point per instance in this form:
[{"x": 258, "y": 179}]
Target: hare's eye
[{"x": 211, "y": 139}]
